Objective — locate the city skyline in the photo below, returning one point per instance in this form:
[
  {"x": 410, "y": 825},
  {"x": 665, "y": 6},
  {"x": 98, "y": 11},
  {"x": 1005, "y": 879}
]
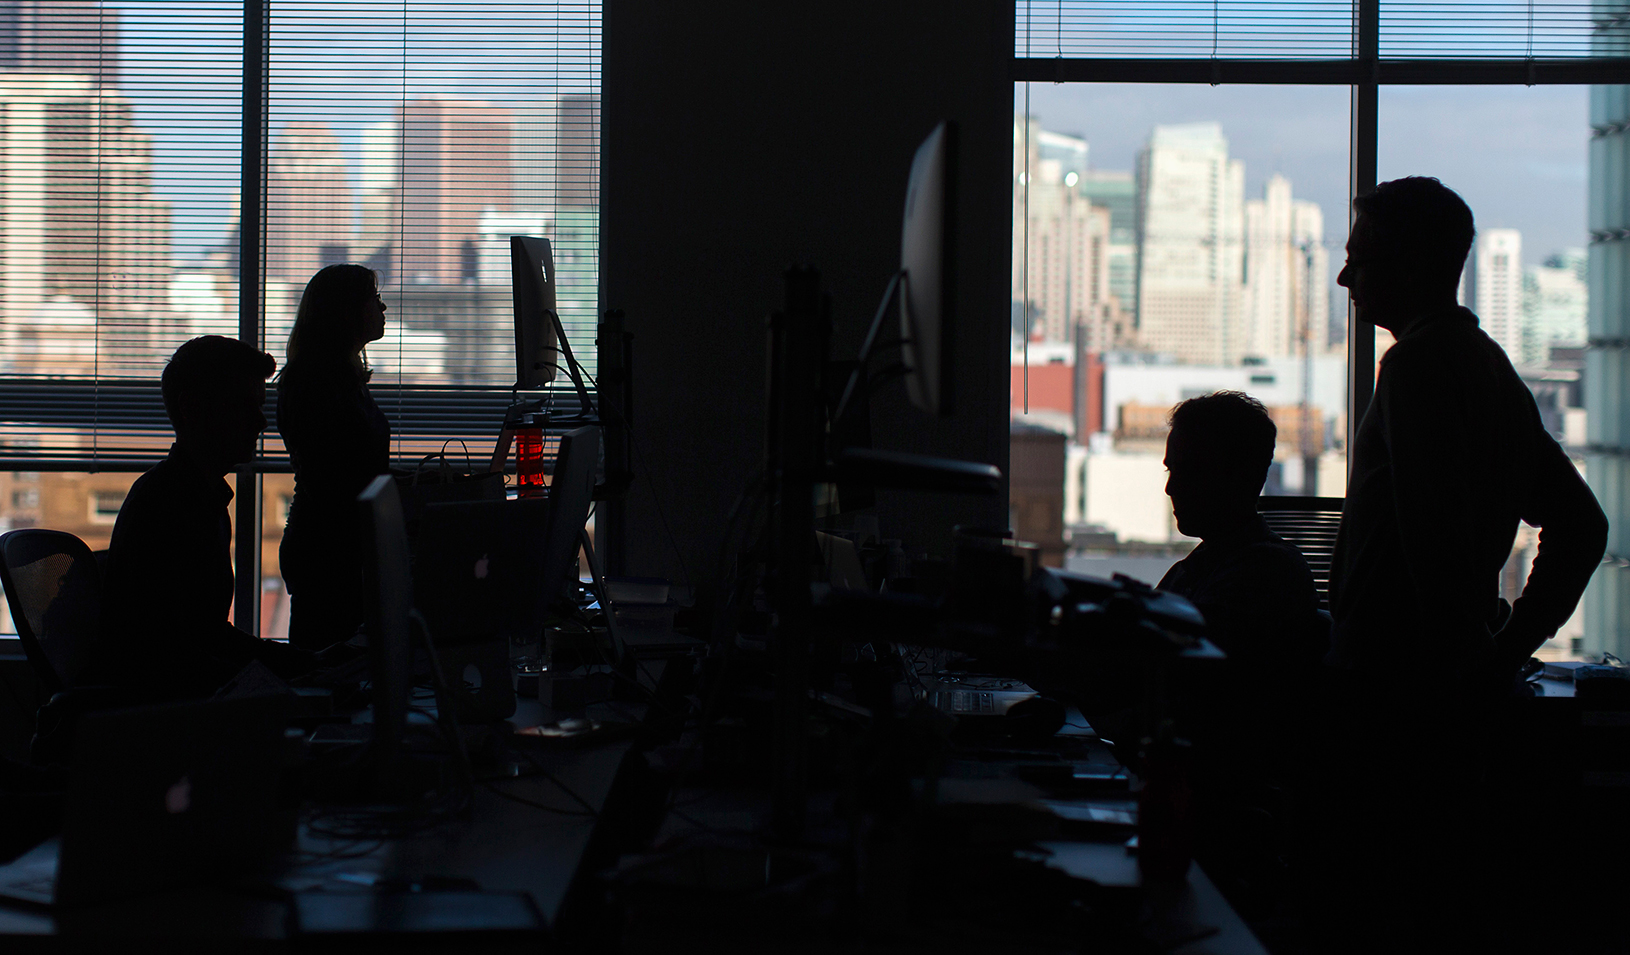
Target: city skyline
[
  {"x": 415, "y": 185},
  {"x": 1220, "y": 278},
  {"x": 350, "y": 69},
  {"x": 1535, "y": 183}
]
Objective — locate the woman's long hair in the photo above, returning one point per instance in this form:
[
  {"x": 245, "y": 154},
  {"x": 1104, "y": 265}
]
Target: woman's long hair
[{"x": 328, "y": 323}]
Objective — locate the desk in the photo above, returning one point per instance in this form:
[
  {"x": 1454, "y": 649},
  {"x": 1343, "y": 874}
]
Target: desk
[
  {"x": 500, "y": 845},
  {"x": 980, "y": 826}
]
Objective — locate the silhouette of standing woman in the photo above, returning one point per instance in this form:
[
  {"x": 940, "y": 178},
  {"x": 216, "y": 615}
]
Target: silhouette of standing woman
[{"x": 338, "y": 441}]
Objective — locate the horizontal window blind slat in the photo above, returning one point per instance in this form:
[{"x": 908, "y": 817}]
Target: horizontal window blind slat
[
  {"x": 1319, "y": 29},
  {"x": 122, "y": 425}
]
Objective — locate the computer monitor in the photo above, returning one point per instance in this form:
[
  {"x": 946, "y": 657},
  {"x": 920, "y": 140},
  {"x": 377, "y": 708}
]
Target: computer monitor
[
  {"x": 570, "y": 492},
  {"x": 532, "y": 277},
  {"x": 926, "y": 257},
  {"x": 476, "y": 567},
  {"x": 387, "y": 603}
]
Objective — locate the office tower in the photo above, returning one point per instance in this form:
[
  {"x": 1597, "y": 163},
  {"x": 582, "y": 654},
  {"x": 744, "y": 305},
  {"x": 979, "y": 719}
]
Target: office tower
[
  {"x": 1068, "y": 260},
  {"x": 1494, "y": 287},
  {"x": 78, "y": 219},
  {"x": 1555, "y": 302},
  {"x": 78, "y": 37},
  {"x": 1190, "y": 245},
  {"x": 380, "y": 206},
  {"x": 1286, "y": 273},
  {"x": 1117, "y": 191},
  {"x": 308, "y": 203},
  {"x": 556, "y": 154},
  {"x": 455, "y": 166},
  {"x": 1607, "y": 361}
]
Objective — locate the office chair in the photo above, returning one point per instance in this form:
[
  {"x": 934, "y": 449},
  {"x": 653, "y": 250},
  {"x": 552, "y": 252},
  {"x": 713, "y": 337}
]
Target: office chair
[
  {"x": 54, "y": 588},
  {"x": 53, "y": 584},
  {"x": 1310, "y": 523}
]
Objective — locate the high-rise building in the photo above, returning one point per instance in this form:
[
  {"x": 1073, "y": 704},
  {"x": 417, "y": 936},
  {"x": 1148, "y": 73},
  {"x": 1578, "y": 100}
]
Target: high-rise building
[
  {"x": 1607, "y": 361},
  {"x": 1494, "y": 287},
  {"x": 379, "y": 228},
  {"x": 79, "y": 37},
  {"x": 455, "y": 165},
  {"x": 1068, "y": 254},
  {"x": 1116, "y": 191},
  {"x": 78, "y": 218},
  {"x": 1286, "y": 273},
  {"x": 309, "y": 217},
  {"x": 1555, "y": 301},
  {"x": 556, "y": 154},
  {"x": 1190, "y": 245}
]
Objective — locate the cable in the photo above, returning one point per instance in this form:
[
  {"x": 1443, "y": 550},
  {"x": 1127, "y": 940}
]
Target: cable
[
  {"x": 590, "y": 814},
  {"x": 546, "y": 774}
]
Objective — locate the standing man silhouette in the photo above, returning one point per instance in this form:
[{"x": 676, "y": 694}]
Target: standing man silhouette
[{"x": 1449, "y": 456}]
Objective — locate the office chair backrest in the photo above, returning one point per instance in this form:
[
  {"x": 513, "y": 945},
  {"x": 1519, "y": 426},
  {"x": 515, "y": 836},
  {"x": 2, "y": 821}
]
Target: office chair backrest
[
  {"x": 1310, "y": 523},
  {"x": 55, "y": 591}
]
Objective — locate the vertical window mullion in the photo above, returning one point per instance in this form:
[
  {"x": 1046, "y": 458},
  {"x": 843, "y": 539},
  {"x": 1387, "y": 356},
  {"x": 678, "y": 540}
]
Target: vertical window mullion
[
  {"x": 1361, "y": 179},
  {"x": 251, "y": 247}
]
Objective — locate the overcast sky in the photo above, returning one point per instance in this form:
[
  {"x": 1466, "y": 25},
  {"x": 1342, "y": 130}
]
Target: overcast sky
[{"x": 1517, "y": 154}]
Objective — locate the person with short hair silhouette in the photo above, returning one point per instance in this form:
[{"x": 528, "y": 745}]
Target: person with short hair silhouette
[
  {"x": 1262, "y": 608},
  {"x": 168, "y": 585},
  {"x": 338, "y": 441},
  {"x": 1255, "y": 590},
  {"x": 1448, "y": 457}
]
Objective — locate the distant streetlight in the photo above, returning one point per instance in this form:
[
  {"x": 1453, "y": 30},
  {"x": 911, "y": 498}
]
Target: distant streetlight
[{"x": 1071, "y": 179}]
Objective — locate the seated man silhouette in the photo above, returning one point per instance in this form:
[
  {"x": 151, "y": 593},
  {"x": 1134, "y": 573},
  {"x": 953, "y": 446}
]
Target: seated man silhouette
[
  {"x": 168, "y": 585},
  {"x": 1255, "y": 590},
  {"x": 1261, "y": 608}
]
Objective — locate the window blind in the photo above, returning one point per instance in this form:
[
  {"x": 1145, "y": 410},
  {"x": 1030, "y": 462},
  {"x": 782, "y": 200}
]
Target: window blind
[
  {"x": 1319, "y": 29},
  {"x": 119, "y": 163},
  {"x": 1453, "y": 29},
  {"x": 1180, "y": 29},
  {"x": 416, "y": 138},
  {"x": 412, "y": 136}
]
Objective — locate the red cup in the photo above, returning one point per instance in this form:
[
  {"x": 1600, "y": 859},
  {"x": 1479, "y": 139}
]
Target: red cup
[{"x": 529, "y": 461}]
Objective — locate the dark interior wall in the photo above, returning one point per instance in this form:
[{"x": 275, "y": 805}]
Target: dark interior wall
[{"x": 741, "y": 137}]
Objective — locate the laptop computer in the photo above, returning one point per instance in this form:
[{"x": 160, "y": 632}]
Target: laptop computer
[{"x": 159, "y": 797}]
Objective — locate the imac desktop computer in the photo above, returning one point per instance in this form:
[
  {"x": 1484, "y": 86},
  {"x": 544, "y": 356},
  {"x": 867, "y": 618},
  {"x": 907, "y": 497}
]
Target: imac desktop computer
[
  {"x": 927, "y": 251},
  {"x": 532, "y": 278},
  {"x": 387, "y": 605},
  {"x": 541, "y": 347}
]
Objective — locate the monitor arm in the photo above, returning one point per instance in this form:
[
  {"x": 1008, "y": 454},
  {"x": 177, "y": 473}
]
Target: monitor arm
[{"x": 901, "y": 280}]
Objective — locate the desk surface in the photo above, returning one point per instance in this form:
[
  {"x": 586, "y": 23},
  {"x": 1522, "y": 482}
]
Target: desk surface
[
  {"x": 500, "y": 844},
  {"x": 715, "y": 837}
]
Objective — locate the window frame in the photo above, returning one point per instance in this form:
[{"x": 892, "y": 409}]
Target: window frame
[
  {"x": 471, "y": 414},
  {"x": 1364, "y": 72}
]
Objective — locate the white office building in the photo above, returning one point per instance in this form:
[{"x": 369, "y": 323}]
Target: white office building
[
  {"x": 1061, "y": 255},
  {"x": 1287, "y": 298},
  {"x": 1191, "y": 198},
  {"x": 1494, "y": 287},
  {"x": 1556, "y": 301}
]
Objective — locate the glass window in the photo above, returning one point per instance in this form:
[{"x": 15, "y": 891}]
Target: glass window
[
  {"x": 1171, "y": 241},
  {"x": 1520, "y": 157}
]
